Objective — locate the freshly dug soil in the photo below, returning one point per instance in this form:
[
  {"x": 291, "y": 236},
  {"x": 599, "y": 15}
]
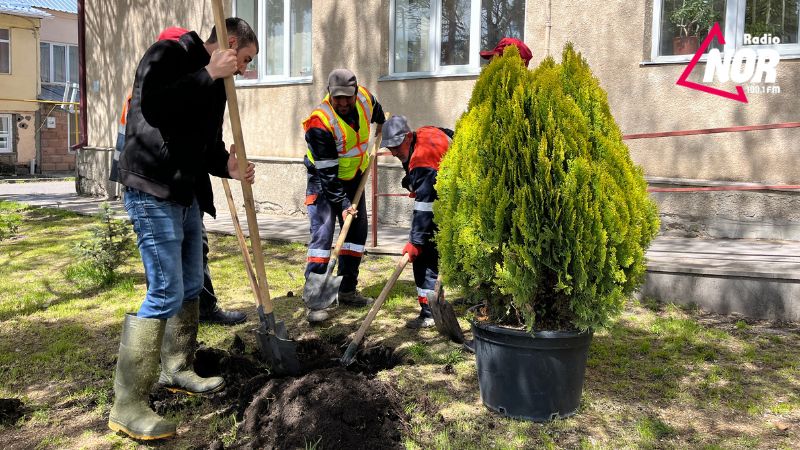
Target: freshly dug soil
[
  {"x": 331, "y": 408},
  {"x": 11, "y": 409},
  {"x": 327, "y": 404}
]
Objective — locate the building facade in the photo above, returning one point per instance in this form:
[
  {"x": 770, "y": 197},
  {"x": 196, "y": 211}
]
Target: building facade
[
  {"x": 19, "y": 73},
  {"x": 39, "y": 68},
  {"x": 420, "y": 58}
]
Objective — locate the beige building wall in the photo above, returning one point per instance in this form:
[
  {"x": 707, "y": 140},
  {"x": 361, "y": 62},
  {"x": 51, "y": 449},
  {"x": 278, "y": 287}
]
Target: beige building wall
[
  {"x": 62, "y": 27},
  {"x": 22, "y": 83},
  {"x": 644, "y": 98}
]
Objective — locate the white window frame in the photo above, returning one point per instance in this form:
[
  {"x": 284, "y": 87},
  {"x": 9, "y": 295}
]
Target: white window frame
[
  {"x": 283, "y": 78},
  {"x": 67, "y": 67},
  {"x": 7, "y": 41},
  {"x": 734, "y": 35},
  {"x": 9, "y": 148},
  {"x": 435, "y": 43}
]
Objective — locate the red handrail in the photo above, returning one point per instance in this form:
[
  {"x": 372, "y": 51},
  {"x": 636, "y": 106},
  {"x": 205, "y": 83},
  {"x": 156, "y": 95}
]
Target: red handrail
[{"x": 732, "y": 187}]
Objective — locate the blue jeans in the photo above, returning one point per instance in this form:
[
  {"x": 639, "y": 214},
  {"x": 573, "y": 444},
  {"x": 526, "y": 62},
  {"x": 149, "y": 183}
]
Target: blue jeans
[{"x": 169, "y": 237}]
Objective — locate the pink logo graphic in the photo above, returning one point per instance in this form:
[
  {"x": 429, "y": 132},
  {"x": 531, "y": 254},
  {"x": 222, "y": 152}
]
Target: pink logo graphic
[{"x": 715, "y": 32}]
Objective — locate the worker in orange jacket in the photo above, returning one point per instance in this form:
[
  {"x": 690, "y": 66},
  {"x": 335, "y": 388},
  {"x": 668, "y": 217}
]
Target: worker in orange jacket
[{"x": 420, "y": 152}]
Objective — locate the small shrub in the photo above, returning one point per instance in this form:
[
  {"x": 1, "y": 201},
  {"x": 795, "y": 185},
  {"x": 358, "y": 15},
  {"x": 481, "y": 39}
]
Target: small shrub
[
  {"x": 542, "y": 214},
  {"x": 107, "y": 248},
  {"x": 10, "y": 220}
]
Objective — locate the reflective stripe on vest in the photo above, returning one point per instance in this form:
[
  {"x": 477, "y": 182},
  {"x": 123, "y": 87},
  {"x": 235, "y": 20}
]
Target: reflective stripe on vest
[
  {"x": 350, "y": 145},
  {"x": 423, "y": 206}
]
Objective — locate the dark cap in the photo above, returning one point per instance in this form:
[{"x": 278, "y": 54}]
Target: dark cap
[
  {"x": 342, "y": 82},
  {"x": 524, "y": 51},
  {"x": 394, "y": 131}
]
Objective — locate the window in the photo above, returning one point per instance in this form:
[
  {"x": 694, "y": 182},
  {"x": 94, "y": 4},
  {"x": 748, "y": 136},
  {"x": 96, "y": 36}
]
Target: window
[
  {"x": 5, "y": 133},
  {"x": 58, "y": 63},
  {"x": 431, "y": 37},
  {"x": 680, "y": 26},
  {"x": 283, "y": 28},
  {"x": 5, "y": 50}
]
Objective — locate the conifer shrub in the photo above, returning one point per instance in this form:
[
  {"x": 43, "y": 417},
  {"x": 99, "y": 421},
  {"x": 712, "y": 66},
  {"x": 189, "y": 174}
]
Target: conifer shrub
[
  {"x": 110, "y": 244},
  {"x": 542, "y": 214}
]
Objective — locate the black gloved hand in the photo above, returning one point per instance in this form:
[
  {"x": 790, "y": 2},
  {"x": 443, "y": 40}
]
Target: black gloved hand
[{"x": 406, "y": 183}]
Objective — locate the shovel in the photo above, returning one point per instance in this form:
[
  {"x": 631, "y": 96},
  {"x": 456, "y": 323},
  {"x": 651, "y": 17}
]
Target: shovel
[
  {"x": 272, "y": 337},
  {"x": 443, "y": 315},
  {"x": 275, "y": 347},
  {"x": 321, "y": 289},
  {"x": 350, "y": 353}
]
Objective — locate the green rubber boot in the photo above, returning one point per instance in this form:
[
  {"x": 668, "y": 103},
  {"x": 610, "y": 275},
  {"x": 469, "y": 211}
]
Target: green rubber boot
[
  {"x": 177, "y": 354},
  {"x": 137, "y": 367}
]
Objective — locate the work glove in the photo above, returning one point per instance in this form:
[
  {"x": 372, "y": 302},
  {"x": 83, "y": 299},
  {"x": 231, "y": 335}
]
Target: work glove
[
  {"x": 406, "y": 182},
  {"x": 412, "y": 250}
]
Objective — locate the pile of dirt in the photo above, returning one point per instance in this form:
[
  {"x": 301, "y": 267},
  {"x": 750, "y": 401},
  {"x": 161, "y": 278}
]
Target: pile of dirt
[
  {"x": 332, "y": 406},
  {"x": 328, "y": 408}
]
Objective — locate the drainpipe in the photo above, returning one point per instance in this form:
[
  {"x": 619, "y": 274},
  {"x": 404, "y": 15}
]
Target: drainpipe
[
  {"x": 547, "y": 25},
  {"x": 82, "y": 72}
]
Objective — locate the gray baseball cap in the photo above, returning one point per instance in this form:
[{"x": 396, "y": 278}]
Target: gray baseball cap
[
  {"x": 342, "y": 82},
  {"x": 394, "y": 131}
]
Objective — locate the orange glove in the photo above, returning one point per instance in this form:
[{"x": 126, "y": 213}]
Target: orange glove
[{"x": 412, "y": 250}]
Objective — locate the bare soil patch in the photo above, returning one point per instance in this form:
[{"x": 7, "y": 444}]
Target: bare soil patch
[{"x": 326, "y": 405}]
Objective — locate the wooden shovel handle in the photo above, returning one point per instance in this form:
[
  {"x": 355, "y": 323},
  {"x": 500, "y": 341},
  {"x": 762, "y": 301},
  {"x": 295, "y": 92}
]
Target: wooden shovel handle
[
  {"x": 241, "y": 156},
  {"x": 373, "y": 159},
  {"x": 398, "y": 269},
  {"x": 242, "y": 243}
]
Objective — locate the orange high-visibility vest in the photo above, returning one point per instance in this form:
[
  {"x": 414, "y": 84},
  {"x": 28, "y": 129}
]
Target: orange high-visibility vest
[{"x": 351, "y": 145}]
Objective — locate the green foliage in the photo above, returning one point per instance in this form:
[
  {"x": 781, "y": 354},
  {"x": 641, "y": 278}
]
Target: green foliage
[
  {"x": 10, "y": 220},
  {"x": 694, "y": 17},
  {"x": 106, "y": 249},
  {"x": 541, "y": 212}
]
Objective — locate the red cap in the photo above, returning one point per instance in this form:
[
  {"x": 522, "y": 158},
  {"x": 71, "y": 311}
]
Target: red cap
[
  {"x": 171, "y": 34},
  {"x": 524, "y": 51}
]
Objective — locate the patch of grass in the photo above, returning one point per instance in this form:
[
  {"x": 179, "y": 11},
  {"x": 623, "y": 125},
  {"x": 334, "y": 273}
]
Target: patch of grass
[
  {"x": 51, "y": 442},
  {"x": 313, "y": 443},
  {"x": 224, "y": 426},
  {"x": 652, "y": 429},
  {"x": 654, "y": 379}
]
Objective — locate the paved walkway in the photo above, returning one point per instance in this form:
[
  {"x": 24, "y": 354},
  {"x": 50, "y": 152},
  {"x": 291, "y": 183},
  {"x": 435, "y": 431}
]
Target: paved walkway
[
  {"x": 755, "y": 278},
  {"x": 726, "y": 257},
  {"x": 61, "y": 194}
]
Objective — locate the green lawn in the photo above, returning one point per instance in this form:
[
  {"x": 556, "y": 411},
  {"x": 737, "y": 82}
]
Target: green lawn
[{"x": 662, "y": 377}]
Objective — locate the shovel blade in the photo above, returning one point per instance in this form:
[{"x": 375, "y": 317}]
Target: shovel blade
[
  {"x": 445, "y": 319},
  {"x": 280, "y": 353},
  {"x": 321, "y": 290},
  {"x": 349, "y": 355}
]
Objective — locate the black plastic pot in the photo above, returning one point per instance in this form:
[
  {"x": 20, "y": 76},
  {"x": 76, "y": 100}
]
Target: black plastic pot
[{"x": 528, "y": 376}]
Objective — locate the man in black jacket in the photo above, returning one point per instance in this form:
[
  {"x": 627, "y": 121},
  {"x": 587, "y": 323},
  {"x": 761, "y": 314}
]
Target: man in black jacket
[
  {"x": 173, "y": 141},
  {"x": 210, "y": 312}
]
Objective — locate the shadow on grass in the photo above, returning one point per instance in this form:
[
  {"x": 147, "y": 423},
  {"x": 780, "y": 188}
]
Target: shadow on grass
[{"x": 58, "y": 294}]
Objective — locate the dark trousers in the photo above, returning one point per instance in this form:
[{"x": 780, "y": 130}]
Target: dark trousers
[
  {"x": 323, "y": 216},
  {"x": 208, "y": 300},
  {"x": 426, "y": 270}
]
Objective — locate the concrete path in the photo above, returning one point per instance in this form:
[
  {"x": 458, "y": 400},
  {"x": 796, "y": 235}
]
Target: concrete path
[
  {"x": 757, "y": 278},
  {"x": 61, "y": 194}
]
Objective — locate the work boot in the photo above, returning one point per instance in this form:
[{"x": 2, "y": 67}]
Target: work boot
[
  {"x": 354, "y": 299},
  {"x": 424, "y": 320},
  {"x": 222, "y": 317},
  {"x": 177, "y": 355},
  {"x": 137, "y": 368},
  {"x": 317, "y": 315}
]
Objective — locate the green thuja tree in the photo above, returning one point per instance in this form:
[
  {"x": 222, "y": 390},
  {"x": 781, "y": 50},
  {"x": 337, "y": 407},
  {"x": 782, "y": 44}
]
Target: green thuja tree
[{"x": 542, "y": 214}]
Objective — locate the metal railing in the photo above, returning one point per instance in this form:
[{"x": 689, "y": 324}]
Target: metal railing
[{"x": 731, "y": 187}]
